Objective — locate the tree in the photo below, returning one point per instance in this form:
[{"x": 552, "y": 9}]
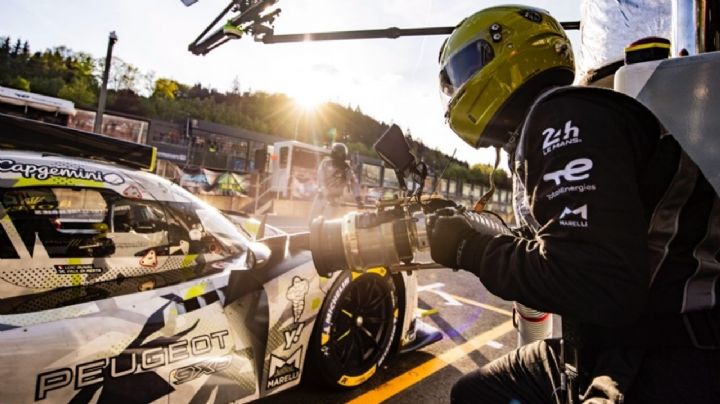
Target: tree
[
  {"x": 79, "y": 92},
  {"x": 235, "y": 88},
  {"x": 5, "y": 46},
  {"x": 20, "y": 83},
  {"x": 165, "y": 88},
  {"x": 122, "y": 76},
  {"x": 25, "y": 52},
  {"x": 456, "y": 171},
  {"x": 63, "y": 72},
  {"x": 147, "y": 83},
  {"x": 481, "y": 173},
  {"x": 17, "y": 48},
  {"x": 47, "y": 85},
  {"x": 196, "y": 91},
  {"x": 82, "y": 64}
]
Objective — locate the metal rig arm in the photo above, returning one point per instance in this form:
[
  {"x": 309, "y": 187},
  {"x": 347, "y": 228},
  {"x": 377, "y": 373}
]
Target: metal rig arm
[
  {"x": 253, "y": 22},
  {"x": 390, "y": 33}
]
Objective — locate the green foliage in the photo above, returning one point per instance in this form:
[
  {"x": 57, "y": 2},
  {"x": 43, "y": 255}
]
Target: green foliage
[
  {"x": 79, "y": 92},
  {"x": 64, "y": 73},
  {"x": 361, "y": 148},
  {"x": 456, "y": 171},
  {"x": 48, "y": 72},
  {"x": 21, "y": 83},
  {"x": 47, "y": 85},
  {"x": 481, "y": 173},
  {"x": 165, "y": 88},
  {"x": 122, "y": 75}
]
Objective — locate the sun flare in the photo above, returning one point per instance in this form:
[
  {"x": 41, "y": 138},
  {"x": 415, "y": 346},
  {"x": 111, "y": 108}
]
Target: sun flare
[{"x": 308, "y": 101}]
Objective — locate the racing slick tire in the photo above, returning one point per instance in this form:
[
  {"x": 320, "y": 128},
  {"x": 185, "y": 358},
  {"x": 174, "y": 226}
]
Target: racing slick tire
[{"x": 355, "y": 329}]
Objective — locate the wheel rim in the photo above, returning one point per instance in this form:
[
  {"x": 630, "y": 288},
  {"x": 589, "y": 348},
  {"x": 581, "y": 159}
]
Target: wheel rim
[{"x": 362, "y": 323}]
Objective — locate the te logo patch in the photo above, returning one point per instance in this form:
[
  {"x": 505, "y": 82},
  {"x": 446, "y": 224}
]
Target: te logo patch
[
  {"x": 575, "y": 170},
  {"x": 559, "y": 138}
]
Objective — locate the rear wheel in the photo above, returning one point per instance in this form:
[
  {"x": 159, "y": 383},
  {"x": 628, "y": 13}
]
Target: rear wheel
[{"x": 355, "y": 328}]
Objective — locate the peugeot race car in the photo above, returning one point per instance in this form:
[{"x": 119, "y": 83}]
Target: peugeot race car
[{"x": 118, "y": 285}]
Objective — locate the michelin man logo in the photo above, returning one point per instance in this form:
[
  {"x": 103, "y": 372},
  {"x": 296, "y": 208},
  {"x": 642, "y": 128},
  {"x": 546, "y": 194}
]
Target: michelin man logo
[{"x": 296, "y": 294}]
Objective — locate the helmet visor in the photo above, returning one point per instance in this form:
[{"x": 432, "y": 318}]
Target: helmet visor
[{"x": 463, "y": 65}]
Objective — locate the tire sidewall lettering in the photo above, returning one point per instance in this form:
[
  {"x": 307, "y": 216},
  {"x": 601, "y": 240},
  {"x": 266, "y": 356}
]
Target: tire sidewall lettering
[{"x": 333, "y": 300}]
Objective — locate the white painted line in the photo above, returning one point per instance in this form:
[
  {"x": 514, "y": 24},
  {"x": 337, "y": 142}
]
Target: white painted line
[
  {"x": 430, "y": 286},
  {"x": 433, "y": 288}
]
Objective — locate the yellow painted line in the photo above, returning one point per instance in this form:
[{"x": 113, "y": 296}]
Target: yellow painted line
[
  {"x": 415, "y": 375},
  {"x": 428, "y": 312}
]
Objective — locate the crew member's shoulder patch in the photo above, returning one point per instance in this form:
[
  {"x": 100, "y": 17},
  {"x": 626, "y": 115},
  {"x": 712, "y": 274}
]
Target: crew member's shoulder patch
[
  {"x": 600, "y": 97},
  {"x": 578, "y": 91}
]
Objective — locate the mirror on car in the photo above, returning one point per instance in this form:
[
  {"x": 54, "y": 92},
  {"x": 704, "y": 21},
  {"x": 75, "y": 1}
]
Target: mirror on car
[
  {"x": 394, "y": 149},
  {"x": 250, "y": 259},
  {"x": 258, "y": 255}
]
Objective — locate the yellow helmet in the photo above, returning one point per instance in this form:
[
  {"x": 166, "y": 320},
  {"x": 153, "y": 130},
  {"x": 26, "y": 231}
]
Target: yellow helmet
[{"x": 493, "y": 66}]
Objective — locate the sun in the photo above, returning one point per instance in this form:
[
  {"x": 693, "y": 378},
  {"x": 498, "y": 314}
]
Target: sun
[{"x": 308, "y": 101}]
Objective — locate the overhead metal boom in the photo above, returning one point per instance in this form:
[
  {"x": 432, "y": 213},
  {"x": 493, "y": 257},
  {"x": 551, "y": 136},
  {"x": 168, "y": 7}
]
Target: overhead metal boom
[
  {"x": 255, "y": 21},
  {"x": 391, "y": 33}
]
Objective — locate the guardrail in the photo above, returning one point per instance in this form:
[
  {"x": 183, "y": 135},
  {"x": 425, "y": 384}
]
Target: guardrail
[{"x": 262, "y": 189}]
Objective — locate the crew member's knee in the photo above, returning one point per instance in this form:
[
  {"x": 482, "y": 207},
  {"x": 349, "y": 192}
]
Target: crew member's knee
[{"x": 470, "y": 388}]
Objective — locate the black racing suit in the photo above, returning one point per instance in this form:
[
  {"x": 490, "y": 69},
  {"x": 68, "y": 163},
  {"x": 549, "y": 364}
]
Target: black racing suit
[
  {"x": 333, "y": 177},
  {"x": 623, "y": 238}
]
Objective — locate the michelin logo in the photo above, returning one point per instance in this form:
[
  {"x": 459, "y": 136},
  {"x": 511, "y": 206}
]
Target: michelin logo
[
  {"x": 559, "y": 138},
  {"x": 574, "y": 217}
]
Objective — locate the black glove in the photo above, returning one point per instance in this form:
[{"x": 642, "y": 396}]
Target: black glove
[{"x": 455, "y": 244}]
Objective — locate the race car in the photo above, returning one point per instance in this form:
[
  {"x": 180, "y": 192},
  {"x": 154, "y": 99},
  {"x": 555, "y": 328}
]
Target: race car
[{"x": 118, "y": 285}]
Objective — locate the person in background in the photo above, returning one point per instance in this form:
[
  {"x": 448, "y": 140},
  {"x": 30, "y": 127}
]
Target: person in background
[
  {"x": 334, "y": 175},
  {"x": 620, "y": 230}
]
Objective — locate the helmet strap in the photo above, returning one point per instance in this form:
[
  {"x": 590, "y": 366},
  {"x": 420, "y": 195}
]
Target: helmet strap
[{"x": 482, "y": 202}]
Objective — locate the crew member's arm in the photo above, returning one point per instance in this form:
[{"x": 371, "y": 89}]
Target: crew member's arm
[
  {"x": 583, "y": 158},
  {"x": 321, "y": 176},
  {"x": 354, "y": 186}
]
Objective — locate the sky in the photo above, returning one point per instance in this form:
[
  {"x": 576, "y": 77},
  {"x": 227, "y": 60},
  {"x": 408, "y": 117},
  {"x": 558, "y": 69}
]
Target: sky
[{"x": 392, "y": 80}]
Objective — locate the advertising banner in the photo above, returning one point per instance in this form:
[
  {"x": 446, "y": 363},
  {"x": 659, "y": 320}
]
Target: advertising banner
[{"x": 208, "y": 182}]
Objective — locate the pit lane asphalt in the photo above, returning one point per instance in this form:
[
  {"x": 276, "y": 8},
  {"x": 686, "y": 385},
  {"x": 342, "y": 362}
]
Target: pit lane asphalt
[{"x": 476, "y": 329}]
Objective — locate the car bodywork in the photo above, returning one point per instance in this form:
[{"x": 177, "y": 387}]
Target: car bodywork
[{"x": 115, "y": 283}]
